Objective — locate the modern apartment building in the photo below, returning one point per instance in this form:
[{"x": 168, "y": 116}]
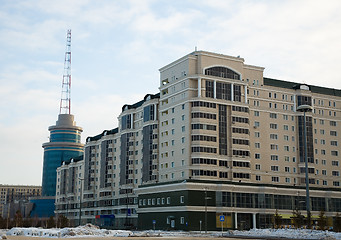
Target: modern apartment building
[
  {"x": 115, "y": 163},
  {"x": 231, "y": 143},
  {"x": 219, "y": 139},
  {"x": 12, "y": 193}
]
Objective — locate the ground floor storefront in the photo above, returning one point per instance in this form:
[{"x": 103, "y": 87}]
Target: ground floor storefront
[{"x": 198, "y": 205}]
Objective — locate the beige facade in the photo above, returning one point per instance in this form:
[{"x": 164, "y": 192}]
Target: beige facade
[
  {"x": 261, "y": 124},
  {"x": 230, "y": 133},
  {"x": 11, "y": 193}
]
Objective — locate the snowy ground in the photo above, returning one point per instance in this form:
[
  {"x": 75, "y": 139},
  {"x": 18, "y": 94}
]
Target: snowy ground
[{"x": 93, "y": 231}]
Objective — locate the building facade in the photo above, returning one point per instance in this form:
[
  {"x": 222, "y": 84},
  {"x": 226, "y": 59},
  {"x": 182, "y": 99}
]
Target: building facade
[
  {"x": 15, "y": 193},
  {"x": 68, "y": 189},
  {"x": 232, "y": 144},
  {"x": 219, "y": 139},
  {"x": 115, "y": 163}
]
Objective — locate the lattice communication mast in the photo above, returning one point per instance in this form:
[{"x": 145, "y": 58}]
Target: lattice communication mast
[{"x": 65, "y": 101}]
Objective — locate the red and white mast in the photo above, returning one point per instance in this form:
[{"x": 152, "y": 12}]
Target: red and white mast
[{"x": 65, "y": 101}]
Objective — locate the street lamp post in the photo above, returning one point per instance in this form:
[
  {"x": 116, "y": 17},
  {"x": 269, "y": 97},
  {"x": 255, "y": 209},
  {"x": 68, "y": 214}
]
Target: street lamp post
[
  {"x": 206, "y": 198},
  {"x": 127, "y": 219},
  {"x": 304, "y": 109},
  {"x": 80, "y": 201}
]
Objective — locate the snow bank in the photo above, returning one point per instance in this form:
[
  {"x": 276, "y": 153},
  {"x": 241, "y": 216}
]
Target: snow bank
[
  {"x": 289, "y": 233},
  {"x": 87, "y": 230},
  {"x": 94, "y": 231}
]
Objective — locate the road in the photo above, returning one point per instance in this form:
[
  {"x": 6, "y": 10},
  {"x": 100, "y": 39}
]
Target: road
[{"x": 123, "y": 238}]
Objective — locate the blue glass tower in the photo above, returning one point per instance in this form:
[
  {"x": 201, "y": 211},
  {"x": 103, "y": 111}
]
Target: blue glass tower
[{"x": 65, "y": 143}]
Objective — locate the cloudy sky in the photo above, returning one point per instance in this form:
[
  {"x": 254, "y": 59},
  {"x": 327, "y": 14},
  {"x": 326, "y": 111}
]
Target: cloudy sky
[{"x": 118, "y": 47}]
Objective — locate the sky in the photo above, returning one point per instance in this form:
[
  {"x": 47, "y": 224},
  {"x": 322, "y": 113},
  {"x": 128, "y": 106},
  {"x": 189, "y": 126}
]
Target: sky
[{"x": 118, "y": 48}]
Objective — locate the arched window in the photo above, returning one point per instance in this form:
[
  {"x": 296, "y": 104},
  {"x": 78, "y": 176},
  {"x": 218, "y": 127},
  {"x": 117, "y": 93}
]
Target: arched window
[{"x": 222, "y": 72}]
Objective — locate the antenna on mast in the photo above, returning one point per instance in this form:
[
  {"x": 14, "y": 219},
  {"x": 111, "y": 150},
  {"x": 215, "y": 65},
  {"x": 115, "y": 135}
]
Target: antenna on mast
[{"x": 65, "y": 101}]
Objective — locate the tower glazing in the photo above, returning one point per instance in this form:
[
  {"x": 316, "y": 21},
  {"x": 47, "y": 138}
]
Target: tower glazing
[{"x": 65, "y": 143}]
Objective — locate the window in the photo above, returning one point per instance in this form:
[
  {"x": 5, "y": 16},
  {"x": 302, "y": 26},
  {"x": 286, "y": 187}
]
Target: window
[
  {"x": 273, "y": 125},
  {"x": 334, "y": 153},
  {"x": 258, "y": 178},
  {"x": 287, "y": 169},
  {"x": 257, "y": 145},
  {"x": 183, "y": 128},
  {"x": 182, "y": 199},
  {"x": 324, "y": 172},
  {"x": 258, "y": 166},
  {"x": 332, "y": 123},
  {"x": 273, "y": 136},
  {"x": 256, "y": 113},
  {"x": 182, "y": 220},
  {"x": 273, "y": 115},
  {"x": 335, "y": 163},
  {"x": 257, "y": 134},
  {"x": 335, "y": 173},
  {"x": 333, "y": 133},
  {"x": 257, "y": 155},
  {"x": 274, "y": 157},
  {"x": 275, "y": 179},
  {"x": 274, "y": 168},
  {"x": 273, "y": 146},
  {"x": 333, "y": 143},
  {"x": 168, "y": 200},
  {"x": 257, "y": 124},
  {"x": 286, "y": 127}
]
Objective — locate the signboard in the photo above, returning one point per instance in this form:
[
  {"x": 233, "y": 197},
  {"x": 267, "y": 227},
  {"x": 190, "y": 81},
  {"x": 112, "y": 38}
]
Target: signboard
[{"x": 222, "y": 218}]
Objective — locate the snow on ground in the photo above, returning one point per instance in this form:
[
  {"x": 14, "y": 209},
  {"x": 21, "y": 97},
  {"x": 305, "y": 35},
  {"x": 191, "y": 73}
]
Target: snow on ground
[
  {"x": 289, "y": 233},
  {"x": 93, "y": 231}
]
